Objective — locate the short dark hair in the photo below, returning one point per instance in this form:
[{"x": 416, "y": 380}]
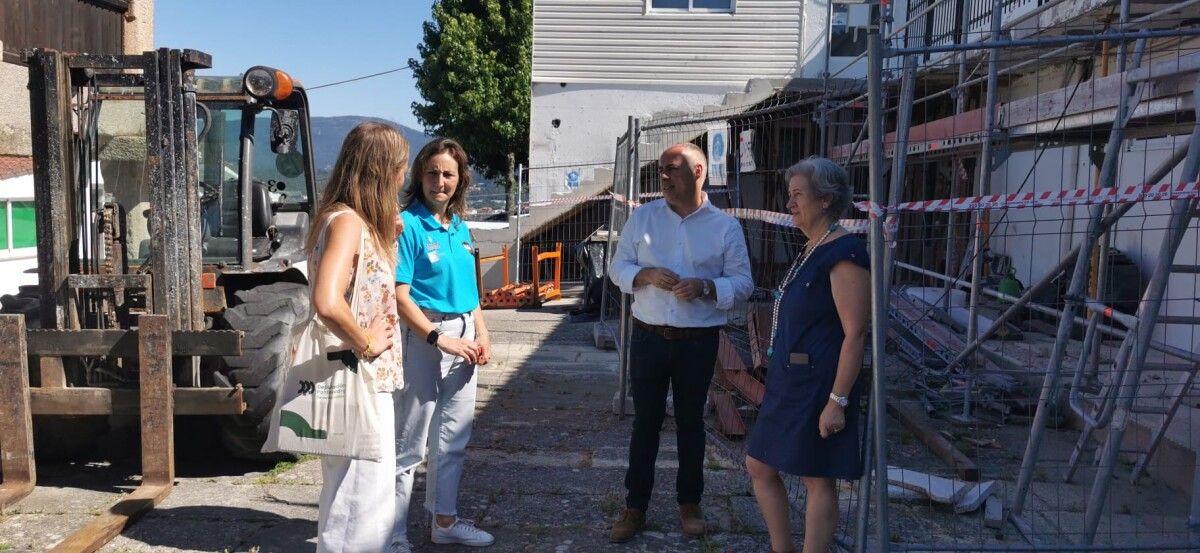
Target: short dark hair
[{"x": 416, "y": 192}]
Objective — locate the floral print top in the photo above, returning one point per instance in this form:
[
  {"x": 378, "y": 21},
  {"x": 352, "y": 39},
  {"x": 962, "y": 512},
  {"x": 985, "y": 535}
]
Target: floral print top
[{"x": 376, "y": 291}]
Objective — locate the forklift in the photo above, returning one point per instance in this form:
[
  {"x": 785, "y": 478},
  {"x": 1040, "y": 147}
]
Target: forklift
[
  {"x": 160, "y": 192},
  {"x": 172, "y": 211}
]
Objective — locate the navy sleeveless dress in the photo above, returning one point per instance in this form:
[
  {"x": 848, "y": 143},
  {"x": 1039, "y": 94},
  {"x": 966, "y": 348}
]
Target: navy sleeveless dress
[{"x": 786, "y": 435}]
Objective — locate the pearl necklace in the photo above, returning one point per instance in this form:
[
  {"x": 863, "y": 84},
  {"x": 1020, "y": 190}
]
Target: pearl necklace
[{"x": 787, "y": 279}]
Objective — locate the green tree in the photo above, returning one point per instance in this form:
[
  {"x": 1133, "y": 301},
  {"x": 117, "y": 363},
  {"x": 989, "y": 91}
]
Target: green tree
[{"x": 474, "y": 75}]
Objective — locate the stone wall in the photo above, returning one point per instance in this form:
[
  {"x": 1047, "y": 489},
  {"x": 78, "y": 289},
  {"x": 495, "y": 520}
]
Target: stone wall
[{"x": 14, "y": 110}]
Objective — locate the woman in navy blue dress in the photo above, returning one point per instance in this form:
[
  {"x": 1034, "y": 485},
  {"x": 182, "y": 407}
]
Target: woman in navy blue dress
[{"x": 808, "y": 424}]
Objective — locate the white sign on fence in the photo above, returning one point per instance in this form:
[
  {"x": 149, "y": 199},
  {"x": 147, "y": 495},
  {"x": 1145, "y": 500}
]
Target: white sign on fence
[
  {"x": 718, "y": 150},
  {"x": 746, "y": 151}
]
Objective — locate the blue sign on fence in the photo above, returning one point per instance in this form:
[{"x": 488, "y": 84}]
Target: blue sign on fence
[{"x": 718, "y": 142}]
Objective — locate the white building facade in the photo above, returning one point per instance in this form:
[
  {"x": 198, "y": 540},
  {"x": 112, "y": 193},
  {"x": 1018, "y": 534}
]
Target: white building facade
[{"x": 596, "y": 62}]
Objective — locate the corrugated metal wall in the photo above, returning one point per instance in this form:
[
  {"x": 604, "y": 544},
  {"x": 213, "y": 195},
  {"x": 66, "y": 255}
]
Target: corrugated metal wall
[
  {"x": 616, "y": 41},
  {"x": 92, "y": 26}
]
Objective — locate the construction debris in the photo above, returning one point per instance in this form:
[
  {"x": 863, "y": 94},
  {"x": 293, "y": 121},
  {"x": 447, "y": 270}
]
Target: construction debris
[
  {"x": 920, "y": 425},
  {"x": 929, "y": 344},
  {"x": 964, "y": 497},
  {"x": 993, "y": 512}
]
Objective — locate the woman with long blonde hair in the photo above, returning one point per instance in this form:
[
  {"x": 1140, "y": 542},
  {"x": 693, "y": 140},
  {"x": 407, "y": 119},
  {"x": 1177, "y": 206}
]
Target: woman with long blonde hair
[{"x": 357, "y": 218}]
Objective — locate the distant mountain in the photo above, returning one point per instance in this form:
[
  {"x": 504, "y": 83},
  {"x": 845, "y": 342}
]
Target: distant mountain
[{"x": 329, "y": 132}]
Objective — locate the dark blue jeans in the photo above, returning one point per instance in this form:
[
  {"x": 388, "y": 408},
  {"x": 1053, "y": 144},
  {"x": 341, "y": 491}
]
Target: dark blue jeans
[{"x": 657, "y": 364}]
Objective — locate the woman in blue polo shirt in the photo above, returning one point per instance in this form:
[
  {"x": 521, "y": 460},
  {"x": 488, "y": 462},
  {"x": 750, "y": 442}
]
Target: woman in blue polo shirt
[{"x": 438, "y": 298}]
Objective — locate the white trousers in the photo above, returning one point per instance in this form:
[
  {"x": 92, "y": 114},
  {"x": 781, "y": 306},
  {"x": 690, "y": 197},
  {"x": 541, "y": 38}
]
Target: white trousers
[{"x": 357, "y": 507}]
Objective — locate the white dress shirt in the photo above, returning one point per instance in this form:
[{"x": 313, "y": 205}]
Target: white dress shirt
[{"x": 707, "y": 244}]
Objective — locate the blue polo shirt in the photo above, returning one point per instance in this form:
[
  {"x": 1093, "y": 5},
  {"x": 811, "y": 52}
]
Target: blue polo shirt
[{"x": 438, "y": 262}]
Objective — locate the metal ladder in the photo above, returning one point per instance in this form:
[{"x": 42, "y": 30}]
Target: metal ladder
[
  {"x": 1139, "y": 341},
  {"x": 1101, "y": 415},
  {"x": 1120, "y": 398}
]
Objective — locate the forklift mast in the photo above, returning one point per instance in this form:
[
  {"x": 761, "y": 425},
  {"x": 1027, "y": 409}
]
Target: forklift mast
[{"x": 82, "y": 266}]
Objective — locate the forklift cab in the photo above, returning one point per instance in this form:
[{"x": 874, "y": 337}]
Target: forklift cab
[{"x": 254, "y": 170}]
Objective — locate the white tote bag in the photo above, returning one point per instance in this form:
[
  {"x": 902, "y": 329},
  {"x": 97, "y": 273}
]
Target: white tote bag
[{"x": 325, "y": 405}]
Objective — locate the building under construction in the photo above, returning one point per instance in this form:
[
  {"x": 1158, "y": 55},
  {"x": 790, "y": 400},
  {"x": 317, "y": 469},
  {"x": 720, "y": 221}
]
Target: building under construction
[{"x": 1027, "y": 175}]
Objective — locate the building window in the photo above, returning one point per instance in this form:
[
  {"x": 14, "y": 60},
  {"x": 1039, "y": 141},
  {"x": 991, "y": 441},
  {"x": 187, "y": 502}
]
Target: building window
[
  {"x": 848, "y": 29},
  {"x": 24, "y": 228},
  {"x": 18, "y": 228},
  {"x": 719, "y": 6}
]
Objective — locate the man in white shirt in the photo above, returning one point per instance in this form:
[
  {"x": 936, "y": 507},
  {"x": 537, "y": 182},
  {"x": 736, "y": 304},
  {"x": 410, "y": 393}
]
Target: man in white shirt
[{"x": 685, "y": 263}]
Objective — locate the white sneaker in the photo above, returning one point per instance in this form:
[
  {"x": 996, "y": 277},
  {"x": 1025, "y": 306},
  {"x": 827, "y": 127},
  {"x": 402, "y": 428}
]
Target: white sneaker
[{"x": 462, "y": 532}]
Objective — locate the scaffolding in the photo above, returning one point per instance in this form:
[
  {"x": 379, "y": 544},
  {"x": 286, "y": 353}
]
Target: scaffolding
[
  {"x": 1102, "y": 396},
  {"x": 993, "y": 143}
]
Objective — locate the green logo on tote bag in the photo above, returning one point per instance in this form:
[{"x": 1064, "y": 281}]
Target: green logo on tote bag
[{"x": 293, "y": 420}]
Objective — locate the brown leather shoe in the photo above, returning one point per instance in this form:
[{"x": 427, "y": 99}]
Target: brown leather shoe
[
  {"x": 691, "y": 520},
  {"x": 627, "y": 525}
]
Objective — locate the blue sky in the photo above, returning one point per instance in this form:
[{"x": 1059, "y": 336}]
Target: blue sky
[{"x": 317, "y": 42}]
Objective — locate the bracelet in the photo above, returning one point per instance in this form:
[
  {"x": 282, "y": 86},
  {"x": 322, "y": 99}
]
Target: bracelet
[{"x": 367, "y": 350}]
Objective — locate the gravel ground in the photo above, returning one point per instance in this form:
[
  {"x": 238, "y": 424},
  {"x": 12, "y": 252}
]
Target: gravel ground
[{"x": 544, "y": 471}]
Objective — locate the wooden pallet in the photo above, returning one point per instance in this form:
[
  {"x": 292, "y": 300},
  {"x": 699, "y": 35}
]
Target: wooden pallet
[
  {"x": 729, "y": 421},
  {"x": 758, "y": 323},
  {"x": 728, "y": 357},
  {"x": 744, "y": 384}
]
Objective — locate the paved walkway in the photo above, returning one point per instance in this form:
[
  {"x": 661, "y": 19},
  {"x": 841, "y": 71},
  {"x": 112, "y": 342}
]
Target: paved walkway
[{"x": 543, "y": 473}]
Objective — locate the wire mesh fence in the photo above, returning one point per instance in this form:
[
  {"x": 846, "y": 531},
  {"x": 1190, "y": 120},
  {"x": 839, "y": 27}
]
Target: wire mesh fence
[
  {"x": 1032, "y": 190},
  {"x": 748, "y": 150},
  {"x": 1009, "y": 355},
  {"x": 552, "y": 228}
]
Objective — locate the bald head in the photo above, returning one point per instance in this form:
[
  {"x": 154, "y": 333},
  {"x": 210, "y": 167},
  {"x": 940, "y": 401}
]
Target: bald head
[
  {"x": 681, "y": 170},
  {"x": 694, "y": 155}
]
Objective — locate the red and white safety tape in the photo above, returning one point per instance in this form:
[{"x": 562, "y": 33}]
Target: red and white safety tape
[
  {"x": 1150, "y": 192},
  {"x": 572, "y": 200},
  {"x": 858, "y": 226}
]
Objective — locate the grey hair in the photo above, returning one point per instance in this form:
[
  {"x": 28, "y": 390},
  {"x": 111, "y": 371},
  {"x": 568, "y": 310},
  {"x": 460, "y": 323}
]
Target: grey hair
[{"x": 826, "y": 180}]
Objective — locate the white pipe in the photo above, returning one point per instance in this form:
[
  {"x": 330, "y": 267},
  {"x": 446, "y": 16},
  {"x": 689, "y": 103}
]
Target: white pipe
[{"x": 1067, "y": 241}]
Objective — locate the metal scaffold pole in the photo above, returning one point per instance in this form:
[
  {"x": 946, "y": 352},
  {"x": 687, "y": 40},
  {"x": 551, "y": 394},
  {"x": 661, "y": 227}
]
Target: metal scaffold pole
[
  {"x": 625, "y": 327},
  {"x": 517, "y": 226},
  {"x": 897, "y": 182},
  {"x": 1148, "y": 312},
  {"x": 620, "y": 153},
  {"x": 958, "y": 178},
  {"x": 983, "y": 186},
  {"x": 900, "y": 149},
  {"x": 878, "y": 277},
  {"x": 1072, "y": 302}
]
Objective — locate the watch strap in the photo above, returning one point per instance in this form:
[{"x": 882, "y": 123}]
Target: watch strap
[{"x": 432, "y": 337}]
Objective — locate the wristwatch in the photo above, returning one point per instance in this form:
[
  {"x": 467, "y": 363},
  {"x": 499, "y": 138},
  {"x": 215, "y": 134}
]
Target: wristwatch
[
  {"x": 432, "y": 338},
  {"x": 842, "y": 401},
  {"x": 706, "y": 289}
]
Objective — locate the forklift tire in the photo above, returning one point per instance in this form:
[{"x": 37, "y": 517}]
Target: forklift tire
[{"x": 266, "y": 314}]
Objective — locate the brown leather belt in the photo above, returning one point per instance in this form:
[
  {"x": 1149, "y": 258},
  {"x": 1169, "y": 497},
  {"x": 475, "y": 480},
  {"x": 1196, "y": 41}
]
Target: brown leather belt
[{"x": 679, "y": 333}]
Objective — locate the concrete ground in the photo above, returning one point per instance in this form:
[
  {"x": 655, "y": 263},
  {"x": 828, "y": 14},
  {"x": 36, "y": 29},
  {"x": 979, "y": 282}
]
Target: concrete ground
[{"x": 544, "y": 471}]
